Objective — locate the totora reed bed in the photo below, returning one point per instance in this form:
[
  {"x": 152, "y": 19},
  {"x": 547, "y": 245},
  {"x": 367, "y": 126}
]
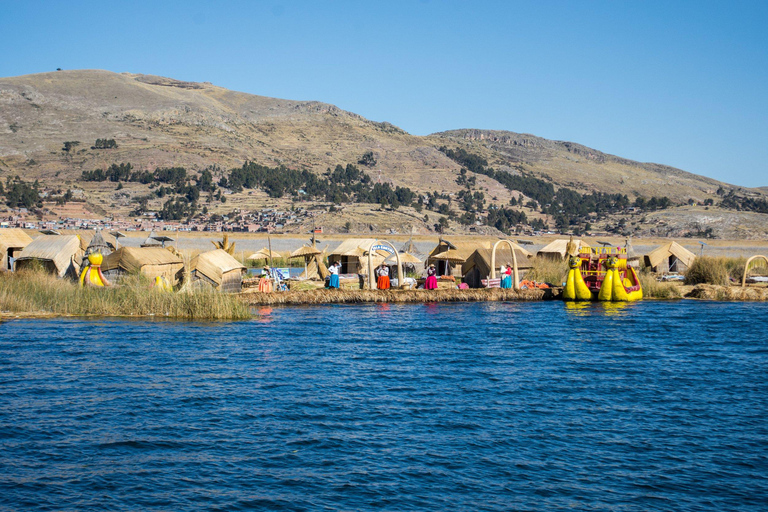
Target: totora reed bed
[{"x": 35, "y": 292}]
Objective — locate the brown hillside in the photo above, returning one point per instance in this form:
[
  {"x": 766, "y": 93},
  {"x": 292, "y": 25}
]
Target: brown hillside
[
  {"x": 160, "y": 122},
  {"x": 580, "y": 167}
]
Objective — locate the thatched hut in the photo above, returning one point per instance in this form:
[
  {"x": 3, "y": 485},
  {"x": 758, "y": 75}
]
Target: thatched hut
[
  {"x": 408, "y": 260},
  {"x": 478, "y": 265},
  {"x": 353, "y": 255},
  {"x": 58, "y": 254},
  {"x": 314, "y": 268},
  {"x": 670, "y": 257},
  {"x": 557, "y": 249},
  {"x": 448, "y": 257},
  {"x": 264, "y": 254},
  {"x": 218, "y": 269},
  {"x": 12, "y": 242},
  {"x": 150, "y": 261}
]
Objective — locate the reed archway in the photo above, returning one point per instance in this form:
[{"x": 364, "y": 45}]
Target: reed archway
[
  {"x": 746, "y": 268},
  {"x": 383, "y": 244},
  {"x": 516, "y": 275}
]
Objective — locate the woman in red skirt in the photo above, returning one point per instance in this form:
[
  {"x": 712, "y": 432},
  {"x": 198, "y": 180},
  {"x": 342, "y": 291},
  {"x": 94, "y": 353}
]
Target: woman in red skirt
[{"x": 382, "y": 283}]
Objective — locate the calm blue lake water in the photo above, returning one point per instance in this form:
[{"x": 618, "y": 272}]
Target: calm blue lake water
[{"x": 495, "y": 406}]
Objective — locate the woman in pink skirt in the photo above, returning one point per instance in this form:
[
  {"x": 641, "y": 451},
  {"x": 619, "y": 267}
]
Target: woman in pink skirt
[{"x": 431, "y": 283}]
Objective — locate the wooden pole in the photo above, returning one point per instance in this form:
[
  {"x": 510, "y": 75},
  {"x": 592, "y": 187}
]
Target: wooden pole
[{"x": 269, "y": 240}]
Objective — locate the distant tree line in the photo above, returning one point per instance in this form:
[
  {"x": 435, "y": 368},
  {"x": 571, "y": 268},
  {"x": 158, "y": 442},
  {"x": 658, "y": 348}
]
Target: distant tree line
[
  {"x": 743, "y": 203},
  {"x": 20, "y": 194},
  {"x": 70, "y": 145},
  {"x": 104, "y": 144},
  {"x": 567, "y": 207}
]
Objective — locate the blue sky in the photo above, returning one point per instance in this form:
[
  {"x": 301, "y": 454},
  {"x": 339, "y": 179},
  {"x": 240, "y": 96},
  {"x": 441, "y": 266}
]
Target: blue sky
[{"x": 682, "y": 83}]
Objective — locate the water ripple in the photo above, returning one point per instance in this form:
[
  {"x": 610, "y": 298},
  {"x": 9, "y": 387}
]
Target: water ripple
[{"x": 498, "y": 406}]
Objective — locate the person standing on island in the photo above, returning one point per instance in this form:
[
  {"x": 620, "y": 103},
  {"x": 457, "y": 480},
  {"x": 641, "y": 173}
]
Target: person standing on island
[
  {"x": 506, "y": 276},
  {"x": 334, "y": 279},
  {"x": 431, "y": 283},
  {"x": 265, "y": 283},
  {"x": 382, "y": 274}
]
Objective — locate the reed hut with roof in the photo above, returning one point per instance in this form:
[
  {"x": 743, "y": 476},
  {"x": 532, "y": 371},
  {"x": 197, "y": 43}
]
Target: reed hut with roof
[
  {"x": 408, "y": 260},
  {"x": 478, "y": 265},
  {"x": 264, "y": 254},
  {"x": 58, "y": 254},
  {"x": 353, "y": 255},
  {"x": 448, "y": 257},
  {"x": 218, "y": 269},
  {"x": 149, "y": 261},
  {"x": 558, "y": 249},
  {"x": 670, "y": 257},
  {"x": 12, "y": 242},
  {"x": 314, "y": 268}
]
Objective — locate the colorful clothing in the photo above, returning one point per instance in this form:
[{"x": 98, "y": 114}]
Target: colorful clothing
[
  {"x": 506, "y": 281},
  {"x": 382, "y": 283},
  {"x": 431, "y": 283},
  {"x": 265, "y": 284},
  {"x": 333, "y": 282}
]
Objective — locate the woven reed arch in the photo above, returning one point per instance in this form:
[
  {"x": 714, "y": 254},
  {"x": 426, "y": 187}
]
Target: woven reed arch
[
  {"x": 746, "y": 268},
  {"x": 371, "y": 280},
  {"x": 516, "y": 275}
]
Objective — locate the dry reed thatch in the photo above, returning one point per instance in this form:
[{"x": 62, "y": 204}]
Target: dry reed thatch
[
  {"x": 557, "y": 249},
  {"x": 305, "y": 251},
  {"x": 59, "y": 253},
  {"x": 661, "y": 255},
  {"x": 14, "y": 237},
  {"x": 736, "y": 266},
  {"x": 652, "y": 289},
  {"x": 728, "y": 293},
  {"x": 548, "y": 270},
  {"x": 40, "y": 293},
  {"x": 707, "y": 270},
  {"x": 393, "y": 296},
  {"x": 220, "y": 267},
  {"x": 12, "y": 241},
  {"x": 225, "y": 245},
  {"x": 150, "y": 261}
]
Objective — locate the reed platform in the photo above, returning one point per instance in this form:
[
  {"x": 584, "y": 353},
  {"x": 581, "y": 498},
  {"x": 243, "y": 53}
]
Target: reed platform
[{"x": 323, "y": 296}]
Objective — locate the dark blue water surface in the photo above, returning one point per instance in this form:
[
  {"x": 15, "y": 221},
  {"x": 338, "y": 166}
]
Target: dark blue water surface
[{"x": 492, "y": 406}]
